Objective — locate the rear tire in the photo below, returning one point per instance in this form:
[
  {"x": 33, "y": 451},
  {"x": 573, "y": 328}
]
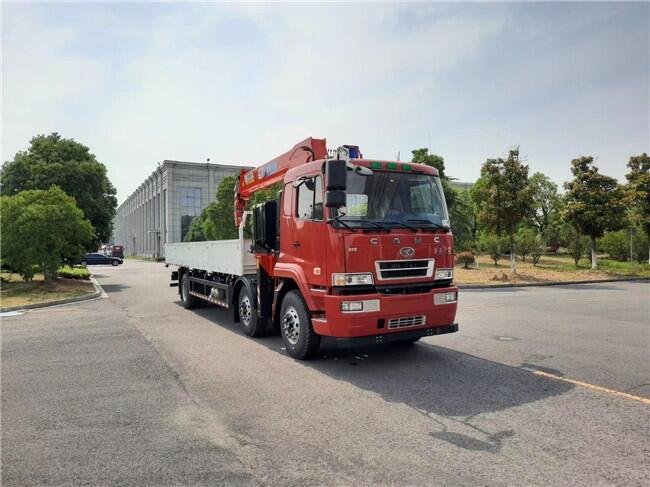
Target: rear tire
[
  {"x": 83, "y": 263},
  {"x": 296, "y": 329},
  {"x": 187, "y": 299},
  {"x": 250, "y": 322}
]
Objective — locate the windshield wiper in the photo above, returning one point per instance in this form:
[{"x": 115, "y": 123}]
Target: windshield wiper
[
  {"x": 359, "y": 222},
  {"x": 429, "y": 222},
  {"x": 376, "y": 225},
  {"x": 337, "y": 219},
  {"x": 403, "y": 225}
]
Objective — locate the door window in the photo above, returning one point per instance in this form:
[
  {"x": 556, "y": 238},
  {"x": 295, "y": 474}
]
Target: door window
[{"x": 310, "y": 199}]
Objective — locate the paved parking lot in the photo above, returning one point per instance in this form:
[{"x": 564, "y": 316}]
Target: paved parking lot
[{"x": 135, "y": 390}]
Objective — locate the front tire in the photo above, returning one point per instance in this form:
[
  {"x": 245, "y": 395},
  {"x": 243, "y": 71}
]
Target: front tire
[
  {"x": 189, "y": 301},
  {"x": 296, "y": 329},
  {"x": 83, "y": 263},
  {"x": 248, "y": 318},
  {"x": 115, "y": 263}
]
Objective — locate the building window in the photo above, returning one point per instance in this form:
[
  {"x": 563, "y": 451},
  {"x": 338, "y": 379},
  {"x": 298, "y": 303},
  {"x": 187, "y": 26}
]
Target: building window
[
  {"x": 191, "y": 201},
  {"x": 190, "y": 207}
]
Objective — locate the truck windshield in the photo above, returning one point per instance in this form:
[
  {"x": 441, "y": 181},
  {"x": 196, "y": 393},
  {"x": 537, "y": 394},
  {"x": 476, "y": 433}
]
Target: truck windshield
[{"x": 392, "y": 199}]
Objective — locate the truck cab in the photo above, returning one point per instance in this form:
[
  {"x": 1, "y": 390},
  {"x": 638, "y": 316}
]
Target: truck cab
[{"x": 367, "y": 246}]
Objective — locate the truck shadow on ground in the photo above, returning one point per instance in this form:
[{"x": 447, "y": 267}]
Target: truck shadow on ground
[{"x": 449, "y": 388}]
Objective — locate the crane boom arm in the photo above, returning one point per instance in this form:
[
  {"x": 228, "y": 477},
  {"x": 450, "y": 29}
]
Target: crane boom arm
[{"x": 272, "y": 172}]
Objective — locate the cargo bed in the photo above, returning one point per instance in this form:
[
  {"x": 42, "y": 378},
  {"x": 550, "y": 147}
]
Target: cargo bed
[{"x": 225, "y": 256}]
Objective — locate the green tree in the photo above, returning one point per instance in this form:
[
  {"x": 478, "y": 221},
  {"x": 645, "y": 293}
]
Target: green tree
[
  {"x": 464, "y": 223},
  {"x": 41, "y": 229},
  {"x": 195, "y": 232},
  {"x": 422, "y": 156},
  {"x": 217, "y": 220},
  {"x": 53, "y": 160},
  {"x": 638, "y": 191},
  {"x": 525, "y": 242},
  {"x": 594, "y": 202},
  {"x": 545, "y": 201},
  {"x": 504, "y": 197}
]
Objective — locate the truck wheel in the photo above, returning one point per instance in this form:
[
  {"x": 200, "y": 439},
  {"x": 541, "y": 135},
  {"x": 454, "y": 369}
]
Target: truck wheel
[
  {"x": 187, "y": 299},
  {"x": 251, "y": 324},
  {"x": 295, "y": 327}
]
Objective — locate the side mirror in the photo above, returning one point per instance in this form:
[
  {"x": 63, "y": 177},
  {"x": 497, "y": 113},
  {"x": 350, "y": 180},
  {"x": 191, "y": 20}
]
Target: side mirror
[
  {"x": 334, "y": 199},
  {"x": 336, "y": 175}
]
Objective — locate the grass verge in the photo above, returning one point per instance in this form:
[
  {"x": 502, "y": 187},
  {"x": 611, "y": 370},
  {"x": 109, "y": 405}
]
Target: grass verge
[
  {"x": 16, "y": 292},
  {"x": 551, "y": 268},
  {"x": 147, "y": 259}
]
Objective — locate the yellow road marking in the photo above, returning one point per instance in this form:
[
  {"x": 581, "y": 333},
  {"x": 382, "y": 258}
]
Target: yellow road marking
[{"x": 593, "y": 387}]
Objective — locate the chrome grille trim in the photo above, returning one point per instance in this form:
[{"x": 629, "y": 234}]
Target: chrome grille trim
[
  {"x": 406, "y": 321},
  {"x": 387, "y": 270}
]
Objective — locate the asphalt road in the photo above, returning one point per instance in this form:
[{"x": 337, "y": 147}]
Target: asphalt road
[{"x": 135, "y": 390}]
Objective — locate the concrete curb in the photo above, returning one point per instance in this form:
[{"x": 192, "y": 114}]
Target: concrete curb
[
  {"x": 551, "y": 283},
  {"x": 98, "y": 292}
]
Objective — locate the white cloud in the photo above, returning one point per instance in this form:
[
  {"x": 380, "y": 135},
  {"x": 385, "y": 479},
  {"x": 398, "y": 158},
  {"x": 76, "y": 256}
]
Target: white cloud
[{"x": 242, "y": 83}]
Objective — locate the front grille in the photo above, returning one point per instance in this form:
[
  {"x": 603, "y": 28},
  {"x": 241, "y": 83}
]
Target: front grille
[
  {"x": 403, "y": 269},
  {"x": 406, "y": 321},
  {"x": 405, "y": 288}
]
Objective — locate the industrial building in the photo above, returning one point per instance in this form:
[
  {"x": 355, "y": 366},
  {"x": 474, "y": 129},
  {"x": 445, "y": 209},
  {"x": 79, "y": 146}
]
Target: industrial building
[{"x": 161, "y": 209}]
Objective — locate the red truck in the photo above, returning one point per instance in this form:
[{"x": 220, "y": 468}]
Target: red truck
[{"x": 352, "y": 248}]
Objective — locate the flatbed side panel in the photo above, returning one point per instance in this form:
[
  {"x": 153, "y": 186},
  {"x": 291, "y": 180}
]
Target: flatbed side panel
[{"x": 225, "y": 256}]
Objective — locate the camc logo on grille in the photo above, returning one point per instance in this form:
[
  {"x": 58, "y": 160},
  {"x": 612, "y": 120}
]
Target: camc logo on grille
[{"x": 407, "y": 251}]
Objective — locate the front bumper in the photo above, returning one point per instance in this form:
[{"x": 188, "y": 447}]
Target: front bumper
[
  {"x": 394, "y": 337},
  {"x": 337, "y": 323}
]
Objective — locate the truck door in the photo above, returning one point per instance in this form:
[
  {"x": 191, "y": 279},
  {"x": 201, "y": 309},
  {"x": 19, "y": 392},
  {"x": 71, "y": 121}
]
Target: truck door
[{"x": 305, "y": 241}]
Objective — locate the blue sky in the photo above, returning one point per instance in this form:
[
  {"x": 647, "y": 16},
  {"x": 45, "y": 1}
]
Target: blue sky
[{"x": 140, "y": 83}]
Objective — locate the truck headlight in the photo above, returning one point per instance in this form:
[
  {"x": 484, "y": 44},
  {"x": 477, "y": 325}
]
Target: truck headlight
[
  {"x": 367, "y": 305},
  {"x": 444, "y": 274},
  {"x": 343, "y": 279},
  {"x": 445, "y": 298}
]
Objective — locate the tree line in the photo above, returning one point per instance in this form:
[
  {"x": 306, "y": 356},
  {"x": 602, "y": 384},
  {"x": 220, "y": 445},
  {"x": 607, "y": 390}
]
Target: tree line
[
  {"x": 509, "y": 212},
  {"x": 57, "y": 204}
]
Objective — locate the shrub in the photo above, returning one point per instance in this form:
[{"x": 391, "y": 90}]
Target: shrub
[
  {"x": 525, "y": 242},
  {"x": 493, "y": 245},
  {"x": 617, "y": 245},
  {"x": 537, "y": 249},
  {"x": 576, "y": 244},
  {"x": 5, "y": 267},
  {"x": 465, "y": 258},
  {"x": 73, "y": 272}
]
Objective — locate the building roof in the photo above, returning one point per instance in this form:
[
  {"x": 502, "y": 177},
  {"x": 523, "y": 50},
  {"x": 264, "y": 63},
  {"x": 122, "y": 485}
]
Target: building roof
[{"x": 172, "y": 163}]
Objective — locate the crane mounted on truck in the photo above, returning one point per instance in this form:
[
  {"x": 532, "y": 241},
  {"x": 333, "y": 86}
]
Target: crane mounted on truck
[{"x": 352, "y": 248}]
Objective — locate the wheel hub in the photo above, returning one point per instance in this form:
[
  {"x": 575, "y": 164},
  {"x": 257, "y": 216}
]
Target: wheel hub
[
  {"x": 184, "y": 289},
  {"x": 245, "y": 310},
  {"x": 291, "y": 325}
]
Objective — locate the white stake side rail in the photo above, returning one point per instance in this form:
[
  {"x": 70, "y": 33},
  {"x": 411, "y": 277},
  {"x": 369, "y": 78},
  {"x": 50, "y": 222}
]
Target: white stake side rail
[{"x": 224, "y": 256}]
